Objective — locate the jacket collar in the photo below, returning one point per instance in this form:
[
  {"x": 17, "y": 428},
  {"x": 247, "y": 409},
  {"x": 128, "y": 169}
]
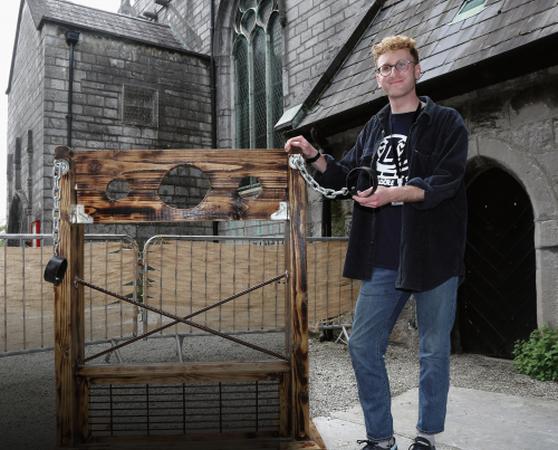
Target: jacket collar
[{"x": 427, "y": 111}]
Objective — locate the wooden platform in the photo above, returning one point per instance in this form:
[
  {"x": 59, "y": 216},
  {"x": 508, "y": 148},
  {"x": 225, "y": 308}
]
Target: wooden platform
[{"x": 206, "y": 442}]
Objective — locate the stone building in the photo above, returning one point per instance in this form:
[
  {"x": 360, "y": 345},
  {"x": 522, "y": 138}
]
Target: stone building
[
  {"x": 96, "y": 80},
  {"x": 280, "y": 67}
]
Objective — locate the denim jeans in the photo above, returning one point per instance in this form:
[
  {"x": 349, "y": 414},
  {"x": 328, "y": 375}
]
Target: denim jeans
[{"x": 377, "y": 308}]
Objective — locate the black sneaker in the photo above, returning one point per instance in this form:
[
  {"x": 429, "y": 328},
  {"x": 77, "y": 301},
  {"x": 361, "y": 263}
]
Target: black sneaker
[
  {"x": 374, "y": 445},
  {"x": 421, "y": 444}
]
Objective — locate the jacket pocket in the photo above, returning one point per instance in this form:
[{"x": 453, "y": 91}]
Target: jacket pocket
[{"x": 420, "y": 163}]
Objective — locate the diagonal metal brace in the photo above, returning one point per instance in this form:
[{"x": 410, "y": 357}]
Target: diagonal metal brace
[{"x": 177, "y": 319}]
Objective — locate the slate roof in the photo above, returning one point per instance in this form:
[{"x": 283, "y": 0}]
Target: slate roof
[
  {"x": 113, "y": 24},
  {"x": 444, "y": 47}
]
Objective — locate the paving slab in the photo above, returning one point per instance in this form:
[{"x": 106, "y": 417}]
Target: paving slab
[{"x": 476, "y": 420}]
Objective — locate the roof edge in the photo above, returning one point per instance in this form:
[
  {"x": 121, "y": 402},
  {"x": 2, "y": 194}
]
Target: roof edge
[
  {"x": 46, "y": 19},
  {"x": 14, "y": 48},
  {"x": 322, "y": 83},
  {"x": 498, "y": 68}
]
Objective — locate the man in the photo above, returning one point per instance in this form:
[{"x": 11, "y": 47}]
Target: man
[{"x": 408, "y": 237}]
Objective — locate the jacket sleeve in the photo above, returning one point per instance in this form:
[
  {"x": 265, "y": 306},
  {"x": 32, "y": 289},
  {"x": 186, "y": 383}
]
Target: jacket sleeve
[
  {"x": 449, "y": 166},
  {"x": 336, "y": 171}
]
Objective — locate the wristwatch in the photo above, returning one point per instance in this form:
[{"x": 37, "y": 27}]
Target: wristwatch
[{"x": 314, "y": 158}]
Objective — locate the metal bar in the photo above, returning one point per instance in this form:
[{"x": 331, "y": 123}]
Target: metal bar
[
  {"x": 249, "y": 279},
  {"x": 106, "y": 286},
  {"x": 5, "y": 299},
  {"x": 176, "y": 293},
  {"x": 161, "y": 268},
  {"x": 24, "y": 312},
  {"x": 42, "y": 302},
  {"x": 185, "y": 320},
  {"x": 121, "y": 254}
]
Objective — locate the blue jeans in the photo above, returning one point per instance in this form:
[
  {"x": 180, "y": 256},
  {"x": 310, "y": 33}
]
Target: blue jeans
[{"x": 377, "y": 308}]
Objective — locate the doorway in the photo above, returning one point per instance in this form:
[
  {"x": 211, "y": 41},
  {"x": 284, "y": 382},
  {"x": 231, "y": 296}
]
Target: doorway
[{"x": 497, "y": 301}]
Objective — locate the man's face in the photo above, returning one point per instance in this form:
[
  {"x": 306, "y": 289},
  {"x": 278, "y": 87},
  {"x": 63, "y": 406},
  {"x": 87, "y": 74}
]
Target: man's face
[{"x": 398, "y": 83}]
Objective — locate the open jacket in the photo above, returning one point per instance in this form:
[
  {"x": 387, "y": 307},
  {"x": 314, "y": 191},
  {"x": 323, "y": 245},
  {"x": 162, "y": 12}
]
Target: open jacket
[{"x": 433, "y": 231}]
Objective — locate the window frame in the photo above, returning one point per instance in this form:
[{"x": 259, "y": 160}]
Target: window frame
[
  {"x": 270, "y": 97},
  {"x": 464, "y": 13},
  {"x": 154, "y": 107}
]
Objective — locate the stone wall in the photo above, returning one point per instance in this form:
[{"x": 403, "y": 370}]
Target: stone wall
[
  {"x": 515, "y": 123},
  {"x": 190, "y": 19},
  {"x": 25, "y": 126},
  {"x": 107, "y": 71}
]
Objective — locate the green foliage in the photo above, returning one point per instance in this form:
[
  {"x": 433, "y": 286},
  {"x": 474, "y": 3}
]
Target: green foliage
[{"x": 538, "y": 355}]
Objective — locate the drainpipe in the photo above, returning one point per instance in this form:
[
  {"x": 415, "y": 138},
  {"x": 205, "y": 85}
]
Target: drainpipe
[
  {"x": 213, "y": 81},
  {"x": 72, "y": 38},
  {"x": 213, "y": 77}
]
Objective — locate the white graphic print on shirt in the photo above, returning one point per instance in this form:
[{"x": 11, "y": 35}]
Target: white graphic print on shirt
[{"x": 386, "y": 160}]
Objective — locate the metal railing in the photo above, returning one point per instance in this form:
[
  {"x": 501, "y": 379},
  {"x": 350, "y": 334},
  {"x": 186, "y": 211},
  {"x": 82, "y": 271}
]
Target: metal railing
[
  {"x": 175, "y": 273},
  {"x": 27, "y": 301}
]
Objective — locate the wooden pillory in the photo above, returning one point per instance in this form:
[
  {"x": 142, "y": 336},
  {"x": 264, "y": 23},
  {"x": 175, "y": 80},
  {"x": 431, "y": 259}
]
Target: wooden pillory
[{"x": 85, "y": 185}]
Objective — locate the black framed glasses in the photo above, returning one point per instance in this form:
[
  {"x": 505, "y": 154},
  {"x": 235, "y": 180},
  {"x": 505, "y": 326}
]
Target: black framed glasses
[{"x": 400, "y": 66}]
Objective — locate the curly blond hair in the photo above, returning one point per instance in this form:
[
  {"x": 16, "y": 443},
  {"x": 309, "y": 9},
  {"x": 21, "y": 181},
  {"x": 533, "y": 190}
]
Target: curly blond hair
[{"x": 392, "y": 43}]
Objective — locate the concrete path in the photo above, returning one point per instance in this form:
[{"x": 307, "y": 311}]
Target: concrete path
[{"x": 476, "y": 420}]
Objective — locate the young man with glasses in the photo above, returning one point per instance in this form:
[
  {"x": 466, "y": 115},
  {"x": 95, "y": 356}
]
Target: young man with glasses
[{"x": 407, "y": 237}]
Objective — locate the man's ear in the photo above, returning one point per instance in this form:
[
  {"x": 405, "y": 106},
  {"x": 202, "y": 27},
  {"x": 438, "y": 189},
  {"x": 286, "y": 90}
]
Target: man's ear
[{"x": 418, "y": 71}]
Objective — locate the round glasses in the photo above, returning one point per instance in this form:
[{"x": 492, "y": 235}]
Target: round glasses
[{"x": 401, "y": 66}]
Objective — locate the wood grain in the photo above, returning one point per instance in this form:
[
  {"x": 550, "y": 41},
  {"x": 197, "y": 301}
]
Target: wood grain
[
  {"x": 144, "y": 170},
  {"x": 173, "y": 373}
]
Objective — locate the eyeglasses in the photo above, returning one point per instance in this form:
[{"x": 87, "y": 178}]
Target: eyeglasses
[{"x": 401, "y": 66}]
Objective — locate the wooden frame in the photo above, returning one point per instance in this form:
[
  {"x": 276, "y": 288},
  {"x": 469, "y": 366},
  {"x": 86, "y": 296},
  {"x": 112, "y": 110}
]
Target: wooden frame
[{"x": 85, "y": 184}]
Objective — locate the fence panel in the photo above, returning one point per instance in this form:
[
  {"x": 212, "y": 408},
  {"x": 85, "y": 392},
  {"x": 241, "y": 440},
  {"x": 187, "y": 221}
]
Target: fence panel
[
  {"x": 27, "y": 301},
  {"x": 188, "y": 273},
  {"x": 182, "y": 275}
]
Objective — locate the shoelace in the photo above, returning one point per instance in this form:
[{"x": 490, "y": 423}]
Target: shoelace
[{"x": 421, "y": 443}]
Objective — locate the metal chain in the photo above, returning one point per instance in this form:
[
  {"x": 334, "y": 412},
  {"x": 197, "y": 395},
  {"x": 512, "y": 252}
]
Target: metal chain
[
  {"x": 59, "y": 169},
  {"x": 296, "y": 161}
]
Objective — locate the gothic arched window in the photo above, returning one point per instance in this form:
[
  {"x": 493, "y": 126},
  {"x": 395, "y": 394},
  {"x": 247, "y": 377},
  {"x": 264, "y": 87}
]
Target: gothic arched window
[{"x": 258, "y": 90}]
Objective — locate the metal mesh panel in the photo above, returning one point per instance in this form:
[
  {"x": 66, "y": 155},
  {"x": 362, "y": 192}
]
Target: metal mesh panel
[
  {"x": 276, "y": 91},
  {"x": 116, "y": 410},
  {"x": 260, "y": 98},
  {"x": 242, "y": 93}
]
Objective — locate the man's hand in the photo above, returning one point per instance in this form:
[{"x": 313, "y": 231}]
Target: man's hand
[
  {"x": 381, "y": 197},
  {"x": 307, "y": 150},
  {"x": 384, "y": 195}
]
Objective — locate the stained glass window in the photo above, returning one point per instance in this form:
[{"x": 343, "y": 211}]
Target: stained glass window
[{"x": 258, "y": 90}]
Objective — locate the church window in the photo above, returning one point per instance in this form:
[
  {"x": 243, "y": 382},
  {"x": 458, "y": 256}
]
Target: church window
[{"x": 258, "y": 90}]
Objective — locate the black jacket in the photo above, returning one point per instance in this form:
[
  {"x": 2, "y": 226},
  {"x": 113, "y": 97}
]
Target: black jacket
[{"x": 433, "y": 231}]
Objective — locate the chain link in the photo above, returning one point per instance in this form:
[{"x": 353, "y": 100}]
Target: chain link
[
  {"x": 59, "y": 169},
  {"x": 296, "y": 161}
]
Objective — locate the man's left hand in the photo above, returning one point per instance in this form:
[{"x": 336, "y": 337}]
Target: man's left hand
[{"x": 381, "y": 197}]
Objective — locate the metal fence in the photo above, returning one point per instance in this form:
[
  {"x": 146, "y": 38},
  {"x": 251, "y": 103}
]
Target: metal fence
[
  {"x": 27, "y": 301},
  {"x": 178, "y": 274}
]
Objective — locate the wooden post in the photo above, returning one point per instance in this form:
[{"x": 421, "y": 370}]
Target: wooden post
[
  {"x": 71, "y": 393},
  {"x": 298, "y": 304}
]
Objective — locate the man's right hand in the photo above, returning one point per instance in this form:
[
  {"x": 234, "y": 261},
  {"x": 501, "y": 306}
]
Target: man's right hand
[{"x": 299, "y": 144}]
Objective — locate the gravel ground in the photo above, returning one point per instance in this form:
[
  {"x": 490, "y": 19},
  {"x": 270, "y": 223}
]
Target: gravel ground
[
  {"x": 27, "y": 392},
  {"x": 333, "y": 385}
]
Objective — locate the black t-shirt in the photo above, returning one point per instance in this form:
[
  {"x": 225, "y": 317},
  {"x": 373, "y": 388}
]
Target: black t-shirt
[{"x": 392, "y": 166}]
